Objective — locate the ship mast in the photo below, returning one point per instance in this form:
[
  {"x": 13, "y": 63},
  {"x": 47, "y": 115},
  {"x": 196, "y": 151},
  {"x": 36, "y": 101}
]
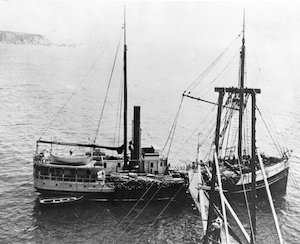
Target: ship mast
[
  {"x": 253, "y": 135},
  {"x": 241, "y": 90},
  {"x": 241, "y": 86},
  {"x": 125, "y": 92}
]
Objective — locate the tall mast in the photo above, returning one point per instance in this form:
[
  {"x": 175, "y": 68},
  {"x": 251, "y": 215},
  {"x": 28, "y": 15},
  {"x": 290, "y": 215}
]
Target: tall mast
[
  {"x": 253, "y": 135},
  {"x": 241, "y": 105},
  {"x": 125, "y": 92},
  {"x": 212, "y": 193}
]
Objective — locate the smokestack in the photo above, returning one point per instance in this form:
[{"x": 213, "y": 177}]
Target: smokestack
[{"x": 136, "y": 134}]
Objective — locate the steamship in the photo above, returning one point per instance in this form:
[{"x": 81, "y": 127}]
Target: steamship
[{"x": 100, "y": 173}]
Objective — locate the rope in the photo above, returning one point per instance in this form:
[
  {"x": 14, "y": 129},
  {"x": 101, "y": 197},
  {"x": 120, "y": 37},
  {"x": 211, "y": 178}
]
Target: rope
[
  {"x": 246, "y": 200},
  {"x": 277, "y": 146},
  {"x": 137, "y": 241},
  {"x": 119, "y": 117},
  {"x": 205, "y": 90},
  {"x": 172, "y": 131},
  {"x": 73, "y": 93},
  {"x": 206, "y": 71},
  {"x": 137, "y": 215},
  {"x": 107, "y": 89},
  {"x": 228, "y": 136},
  {"x": 187, "y": 140},
  {"x": 267, "y": 110},
  {"x": 276, "y": 141},
  {"x": 135, "y": 205}
]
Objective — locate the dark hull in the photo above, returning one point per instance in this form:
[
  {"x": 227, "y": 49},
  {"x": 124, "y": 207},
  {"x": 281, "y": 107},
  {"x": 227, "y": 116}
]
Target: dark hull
[
  {"x": 277, "y": 184},
  {"x": 174, "y": 191}
]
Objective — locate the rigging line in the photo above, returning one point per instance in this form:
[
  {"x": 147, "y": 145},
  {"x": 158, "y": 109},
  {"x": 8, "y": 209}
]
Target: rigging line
[
  {"x": 138, "y": 214},
  {"x": 206, "y": 101},
  {"x": 119, "y": 111},
  {"x": 172, "y": 137},
  {"x": 201, "y": 143},
  {"x": 256, "y": 79},
  {"x": 107, "y": 89},
  {"x": 252, "y": 67},
  {"x": 275, "y": 141},
  {"x": 209, "y": 134},
  {"x": 246, "y": 200},
  {"x": 186, "y": 141},
  {"x": 273, "y": 126},
  {"x": 73, "y": 93},
  {"x": 212, "y": 64},
  {"x": 174, "y": 122},
  {"x": 120, "y": 118},
  {"x": 145, "y": 193},
  {"x": 221, "y": 73},
  {"x": 171, "y": 200},
  {"x": 228, "y": 135},
  {"x": 278, "y": 149},
  {"x": 273, "y": 130}
]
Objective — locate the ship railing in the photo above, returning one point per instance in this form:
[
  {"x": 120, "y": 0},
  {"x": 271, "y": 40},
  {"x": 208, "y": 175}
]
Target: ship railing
[{"x": 65, "y": 178}]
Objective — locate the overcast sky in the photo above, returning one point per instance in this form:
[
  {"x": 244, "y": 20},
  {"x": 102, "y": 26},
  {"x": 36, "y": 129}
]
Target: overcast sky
[{"x": 272, "y": 28}]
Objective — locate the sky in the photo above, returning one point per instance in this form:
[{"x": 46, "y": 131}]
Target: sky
[{"x": 179, "y": 29}]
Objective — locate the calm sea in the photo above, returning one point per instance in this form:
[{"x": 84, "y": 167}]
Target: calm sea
[{"x": 37, "y": 83}]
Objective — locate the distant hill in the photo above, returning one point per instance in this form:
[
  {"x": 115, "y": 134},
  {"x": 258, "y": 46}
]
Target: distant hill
[
  {"x": 11, "y": 37},
  {"x": 23, "y": 38}
]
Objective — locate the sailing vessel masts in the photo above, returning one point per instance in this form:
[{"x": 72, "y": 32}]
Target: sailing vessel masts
[
  {"x": 241, "y": 103},
  {"x": 253, "y": 168},
  {"x": 212, "y": 193},
  {"x": 125, "y": 92}
]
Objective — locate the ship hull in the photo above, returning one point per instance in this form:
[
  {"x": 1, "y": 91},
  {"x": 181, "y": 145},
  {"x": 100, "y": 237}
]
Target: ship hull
[
  {"x": 175, "y": 191},
  {"x": 277, "y": 184}
]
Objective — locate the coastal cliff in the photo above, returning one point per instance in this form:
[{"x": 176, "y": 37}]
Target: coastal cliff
[
  {"x": 23, "y": 38},
  {"x": 20, "y": 38}
]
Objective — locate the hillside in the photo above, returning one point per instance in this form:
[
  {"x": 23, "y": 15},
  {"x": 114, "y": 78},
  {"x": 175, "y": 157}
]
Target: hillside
[{"x": 23, "y": 38}]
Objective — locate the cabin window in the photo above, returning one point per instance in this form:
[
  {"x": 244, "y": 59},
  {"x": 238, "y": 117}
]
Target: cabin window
[
  {"x": 119, "y": 165},
  {"x": 56, "y": 171},
  {"x": 82, "y": 173},
  {"x": 44, "y": 170},
  {"x": 160, "y": 164},
  {"x": 69, "y": 172},
  {"x": 151, "y": 165},
  {"x": 104, "y": 165}
]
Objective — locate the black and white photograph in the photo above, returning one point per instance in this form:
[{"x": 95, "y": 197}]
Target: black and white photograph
[{"x": 149, "y": 122}]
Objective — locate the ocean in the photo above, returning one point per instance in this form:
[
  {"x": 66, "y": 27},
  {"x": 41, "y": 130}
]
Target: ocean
[{"x": 57, "y": 93}]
